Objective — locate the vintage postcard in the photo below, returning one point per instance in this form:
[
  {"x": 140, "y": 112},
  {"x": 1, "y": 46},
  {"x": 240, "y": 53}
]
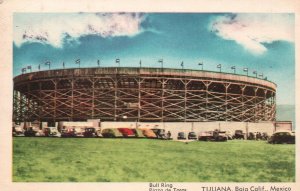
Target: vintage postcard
[{"x": 155, "y": 97}]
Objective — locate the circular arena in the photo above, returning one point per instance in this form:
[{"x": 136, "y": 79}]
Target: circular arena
[{"x": 142, "y": 95}]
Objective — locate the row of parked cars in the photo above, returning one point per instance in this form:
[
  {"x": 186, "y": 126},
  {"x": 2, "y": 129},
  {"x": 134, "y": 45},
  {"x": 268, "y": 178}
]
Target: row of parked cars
[
  {"x": 279, "y": 137},
  {"x": 92, "y": 132},
  {"x": 216, "y": 135}
]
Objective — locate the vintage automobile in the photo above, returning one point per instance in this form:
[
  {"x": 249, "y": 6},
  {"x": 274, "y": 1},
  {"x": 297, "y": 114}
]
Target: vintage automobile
[
  {"x": 215, "y": 135},
  {"x": 181, "y": 136},
  {"x": 30, "y": 132},
  {"x": 68, "y": 132},
  {"x": 281, "y": 137},
  {"x": 111, "y": 133},
  {"x": 126, "y": 132},
  {"x": 220, "y": 135},
  {"x": 251, "y": 136},
  {"x": 239, "y": 134},
  {"x": 192, "y": 135},
  {"x": 148, "y": 133},
  {"x": 89, "y": 132},
  {"x": 52, "y": 132}
]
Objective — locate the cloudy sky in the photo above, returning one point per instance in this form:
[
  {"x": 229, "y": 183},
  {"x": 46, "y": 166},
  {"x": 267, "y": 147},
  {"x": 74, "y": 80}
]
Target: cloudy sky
[{"x": 259, "y": 42}]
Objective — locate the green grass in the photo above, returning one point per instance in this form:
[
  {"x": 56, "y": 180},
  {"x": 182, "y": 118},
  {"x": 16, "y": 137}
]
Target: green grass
[{"x": 145, "y": 160}]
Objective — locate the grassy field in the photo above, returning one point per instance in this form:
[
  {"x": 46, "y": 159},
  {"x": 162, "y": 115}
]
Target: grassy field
[{"x": 145, "y": 160}]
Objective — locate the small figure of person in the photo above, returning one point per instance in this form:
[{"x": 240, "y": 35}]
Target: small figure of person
[{"x": 169, "y": 135}]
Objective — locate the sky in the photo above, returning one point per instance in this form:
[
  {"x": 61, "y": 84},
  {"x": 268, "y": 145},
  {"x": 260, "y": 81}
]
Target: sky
[{"x": 261, "y": 42}]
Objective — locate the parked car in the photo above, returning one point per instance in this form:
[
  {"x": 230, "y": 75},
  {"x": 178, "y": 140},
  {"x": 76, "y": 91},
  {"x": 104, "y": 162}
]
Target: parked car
[
  {"x": 89, "y": 132},
  {"x": 53, "y": 132},
  {"x": 111, "y": 133},
  {"x": 220, "y": 135},
  {"x": 215, "y": 135},
  {"x": 251, "y": 136},
  {"x": 281, "y": 137},
  {"x": 192, "y": 135},
  {"x": 181, "y": 136},
  {"x": 30, "y": 132},
  {"x": 148, "y": 133},
  {"x": 126, "y": 132},
  {"x": 160, "y": 133},
  {"x": 239, "y": 134},
  {"x": 68, "y": 132}
]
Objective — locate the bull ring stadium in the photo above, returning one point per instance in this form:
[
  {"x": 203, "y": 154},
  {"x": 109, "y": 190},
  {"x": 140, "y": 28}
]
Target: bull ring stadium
[{"x": 139, "y": 94}]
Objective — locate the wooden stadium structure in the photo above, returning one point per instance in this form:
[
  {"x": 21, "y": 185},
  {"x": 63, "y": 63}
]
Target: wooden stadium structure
[{"x": 142, "y": 95}]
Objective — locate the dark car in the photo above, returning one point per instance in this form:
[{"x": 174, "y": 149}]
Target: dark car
[
  {"x": 216, "y": 135},
  {"x": 251, "y": 136},
  {"x": 192, "y": 135},
  {"x": 89, "y": 132},
  {"x": 68, "y": 132},
  {"x": 111, "y": 133},
  {"x": 181, "y": 136},
  {"x": 29, "y": 132},
  {"x": 282, "y": 137},
  {"x": 239, "y": 135},
  {"x": 220, "y": 135}
]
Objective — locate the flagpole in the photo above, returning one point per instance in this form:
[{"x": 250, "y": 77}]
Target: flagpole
[
  {"x": 161, "y": 61},
  {"x": 233, "y": 68},
  {"x": 78, "y": 62},
  {"x": 246, "y": 70},
  {"x": 29, "y": 68},
  {"x": 219, "y": 66},
  {"x": 23, "y": 70},
  {"x": 118, "y": 61},
  {"x": 48, "y": 63},
  {"x": 201, "y": 64},
  {"x": 255, "y": 72}
]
